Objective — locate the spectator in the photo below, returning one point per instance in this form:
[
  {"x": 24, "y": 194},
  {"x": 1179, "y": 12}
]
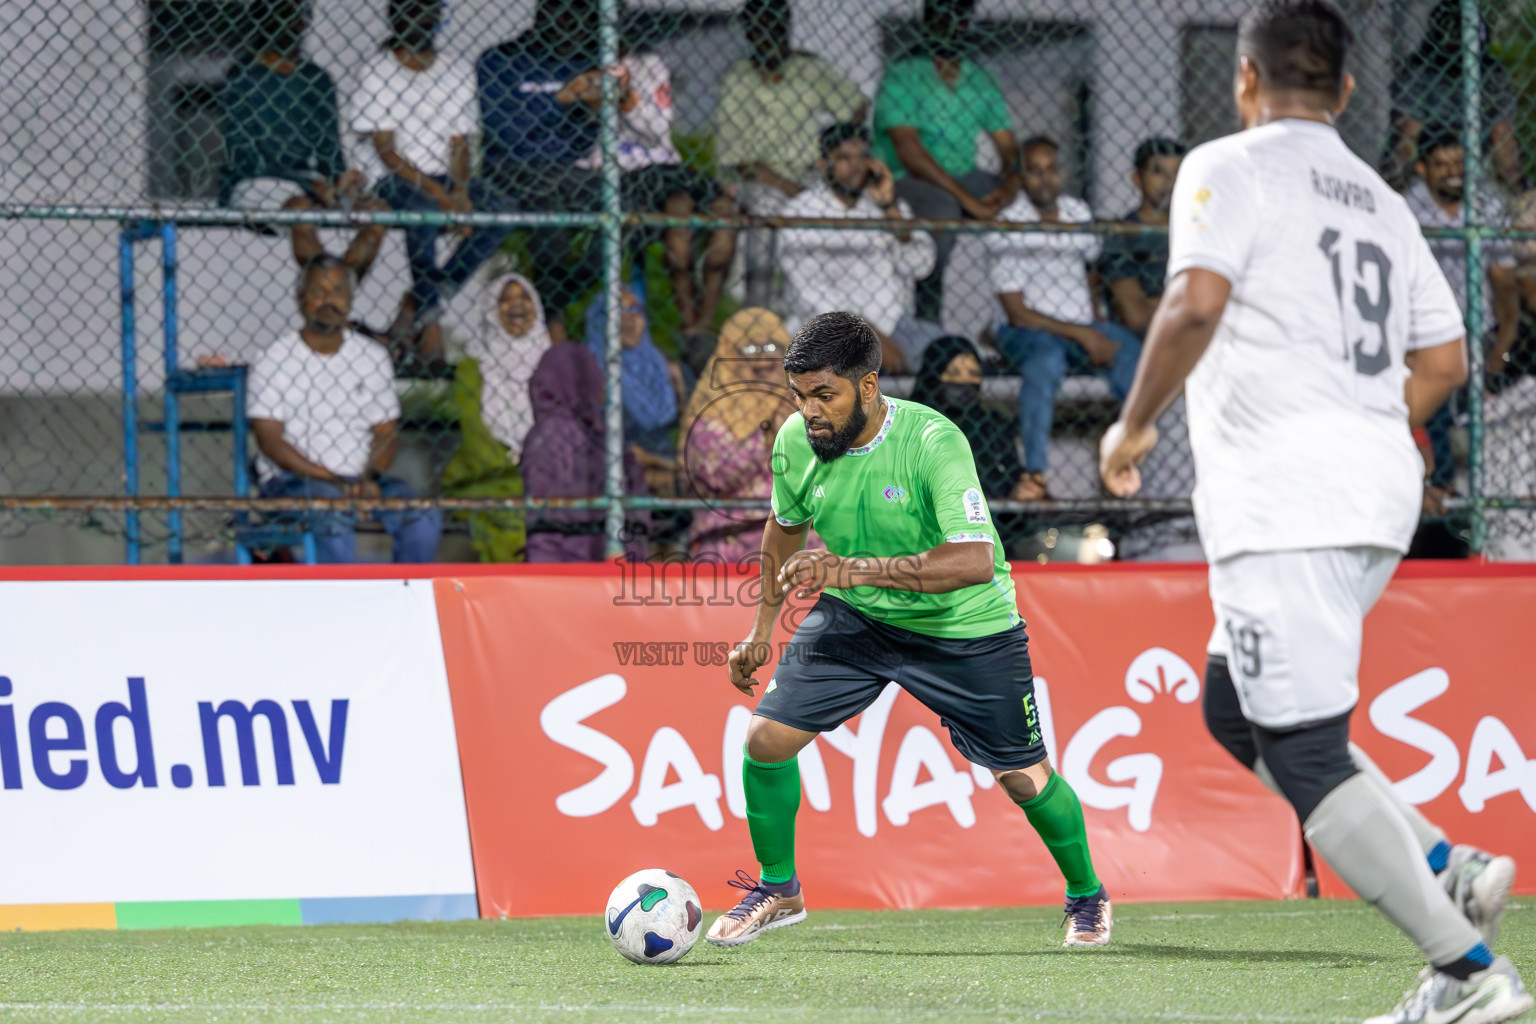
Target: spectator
[
  {"x": 564, "y": 458},
  {"x": 867, "y": 272},
  {"x": 1436, "y": 199},
  {"x": 651, "y": 382},
  {"x": 1049, "y": 325},
  {"x": 655, "y": 180},
  {"x": 282, "y": 136},
  {"x": 1133, "y": 266},
  {"x": 323, "y": 408},
  {"x": 728, "y": 430},
  {"x": 927, "y": 116},
  {"x": 767, "y": 122},
  {"x": 417, "y": 109},
  {"x": 496, "y": 413},
  {"x": 949, "y": 380},
  {"x": 532, "y": 141},
  {"x": 1427, "y": 94}
]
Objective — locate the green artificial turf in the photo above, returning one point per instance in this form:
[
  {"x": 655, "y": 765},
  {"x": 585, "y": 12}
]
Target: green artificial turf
[{"x": 1298, "y": 961}]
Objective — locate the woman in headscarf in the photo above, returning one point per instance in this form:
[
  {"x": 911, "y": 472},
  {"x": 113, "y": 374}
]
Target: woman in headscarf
[
  {"x": 563, "y": 457},
  {"x": 728, "y": 432},
  {"x": 651, "y": 381},
  {"x": 495, "y": 412},
  {"x": 949, "y": 380}
]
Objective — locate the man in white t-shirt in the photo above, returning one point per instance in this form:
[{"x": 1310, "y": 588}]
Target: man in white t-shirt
[
  {"x": 1049, "y": 328},
  {"x": 1312, "y": 323},
  {"x": 870, "y": 273},
  {"x": 323, "y": 408},
  {"x": 414, "y": 109}
]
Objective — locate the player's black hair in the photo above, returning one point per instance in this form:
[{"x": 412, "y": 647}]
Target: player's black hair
[
  {"x": 834, "y": 135},
  {"x": 1438, "y": 137},
  {"x": 1297, "y": 45},
  {"x": 1157, "y": 147},
  {"x": 841, "y": 342},
  {"x": 1036, "y": 141}
]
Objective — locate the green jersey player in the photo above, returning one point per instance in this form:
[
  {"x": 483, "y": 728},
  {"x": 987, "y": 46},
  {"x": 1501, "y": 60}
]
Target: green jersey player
[{"x": 915, "y": 590}]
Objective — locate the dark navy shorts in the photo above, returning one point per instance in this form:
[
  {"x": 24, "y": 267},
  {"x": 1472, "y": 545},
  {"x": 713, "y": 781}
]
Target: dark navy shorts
[{"x": 981, "y": 688}]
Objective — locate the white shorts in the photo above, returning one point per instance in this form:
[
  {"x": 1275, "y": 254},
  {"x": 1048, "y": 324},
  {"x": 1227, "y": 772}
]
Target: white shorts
[{"x": 1289, "y": 624}]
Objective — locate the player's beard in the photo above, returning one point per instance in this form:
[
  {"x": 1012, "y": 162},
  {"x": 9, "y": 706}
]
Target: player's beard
[{"x": 841, "y": 439}]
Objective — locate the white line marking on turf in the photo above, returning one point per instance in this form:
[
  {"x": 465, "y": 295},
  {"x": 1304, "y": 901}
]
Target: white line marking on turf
[{"x": 99, "y": 1008}]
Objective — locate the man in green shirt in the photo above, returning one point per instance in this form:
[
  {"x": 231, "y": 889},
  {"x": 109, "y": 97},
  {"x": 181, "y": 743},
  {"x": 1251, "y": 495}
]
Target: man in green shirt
[
  {"x": 927, "y": 115},
  {"x": 917, "y": 592}
]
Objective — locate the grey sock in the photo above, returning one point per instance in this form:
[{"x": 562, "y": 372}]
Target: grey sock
[
  {"x": 1424, "y": 830},
  {"x": 1359, "y": 832}
]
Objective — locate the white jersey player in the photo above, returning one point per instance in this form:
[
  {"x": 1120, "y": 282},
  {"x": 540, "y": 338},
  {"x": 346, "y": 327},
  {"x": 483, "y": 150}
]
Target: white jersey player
[{"x": 1308, "y": 324}]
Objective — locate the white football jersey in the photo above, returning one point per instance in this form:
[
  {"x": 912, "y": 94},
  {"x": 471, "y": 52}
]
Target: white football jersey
[{"x": 1296, "y": 411}]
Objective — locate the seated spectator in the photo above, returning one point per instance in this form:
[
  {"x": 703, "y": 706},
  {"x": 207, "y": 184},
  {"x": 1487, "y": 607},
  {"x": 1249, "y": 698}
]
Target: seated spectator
[
  {"x": 927, "y": 116},
  {"x": 564, "y": 458},
  {"x": 1133, "y": 266},
  {"x": 1436, "y": 199},
  {"x": 531, "y": 142},
  {"x": 865, "y": 272},
  {"x": 1427, "y": 93},
  {"x": 652, "y": 383},
  {"x": 282, "y": 136},
  {"x": 654, "y": 179},
  {"x": 772, "y": 105},
  {"x": 1049, "y": 327},
  {"x": 495, "y": 413},
  {"x": 949, "y": 380},
  {"x": 323, "y": 408},
  {"x": 417, "y": 109},
  {"x": 728, "y": 431}
]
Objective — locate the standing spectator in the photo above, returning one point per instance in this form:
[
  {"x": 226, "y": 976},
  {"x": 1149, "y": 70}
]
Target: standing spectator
[
  {"x": 1133, "y": 266},
  {"x": 417, "y": 109},
  {"x": 532, "y": 141},
  {"x": 927, "y": 116},
  {"x": 282, "y": 136},
  {"x": 771, "y": 107},
  {"x": 1436, "y": 199},
  {"x": 865, "y": 272},
  {"x": 728, "y": 431},
  {"x": 1049, "y": 326},
  {"x": 564, "y": 458},
  {"x": 1428, "y": 94},
  {"x": 495, "y": 413},
  {"x": 323, "y": 408},
  {"x": 654, "y": 179}
]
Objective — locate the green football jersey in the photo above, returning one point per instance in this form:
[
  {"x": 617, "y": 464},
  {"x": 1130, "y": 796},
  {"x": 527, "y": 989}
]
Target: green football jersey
[{"x": 912, "y": 488}]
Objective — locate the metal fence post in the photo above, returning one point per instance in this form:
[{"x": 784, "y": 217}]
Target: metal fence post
[
  {"x": 125, "y": 242},
  {"x": 613, "y": 273},
  {"x": 1472, "y": 143}
]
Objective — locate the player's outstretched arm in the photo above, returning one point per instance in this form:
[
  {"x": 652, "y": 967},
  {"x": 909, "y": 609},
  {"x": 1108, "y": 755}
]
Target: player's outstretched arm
[
  {"x": 1433, "y": 373},
  {"x": 1181, "y": 331},
  {"x": 939, "y": 570},
  {"x": 780, "y": 543}
]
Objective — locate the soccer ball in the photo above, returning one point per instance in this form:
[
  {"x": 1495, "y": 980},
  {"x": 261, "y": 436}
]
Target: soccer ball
[{"x": 653, "y": 917}]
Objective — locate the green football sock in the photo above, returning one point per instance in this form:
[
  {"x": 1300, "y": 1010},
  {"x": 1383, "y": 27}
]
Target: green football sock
[
  {"x": 1058, "y": 817},
  {"x": 773, "y": 797}
]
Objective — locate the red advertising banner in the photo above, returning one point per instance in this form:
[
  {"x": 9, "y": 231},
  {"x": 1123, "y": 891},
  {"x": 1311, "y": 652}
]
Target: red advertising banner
[
  {"x": 598, "y": 735},
  {"x": 1447, "y": 708}
]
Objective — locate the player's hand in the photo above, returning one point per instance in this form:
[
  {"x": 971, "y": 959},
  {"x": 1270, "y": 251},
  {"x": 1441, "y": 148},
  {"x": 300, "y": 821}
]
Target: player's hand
[
  {"x": 1101, "y": 351},
  {"x": 749, "y": 656},
  {"x": 809, "y": 571},
  {"x": 1120, "y": 455}
]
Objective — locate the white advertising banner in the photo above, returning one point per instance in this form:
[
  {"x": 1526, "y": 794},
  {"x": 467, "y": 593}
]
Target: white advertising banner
[{"x": 216, "y": 741}]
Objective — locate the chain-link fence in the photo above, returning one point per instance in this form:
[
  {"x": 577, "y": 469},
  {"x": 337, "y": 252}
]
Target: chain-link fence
[{"x": 545, "y": 304}]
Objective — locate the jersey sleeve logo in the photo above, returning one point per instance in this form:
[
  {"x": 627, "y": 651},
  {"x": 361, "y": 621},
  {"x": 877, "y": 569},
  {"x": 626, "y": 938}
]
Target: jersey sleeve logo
[{"x": 975, "y": 506}]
